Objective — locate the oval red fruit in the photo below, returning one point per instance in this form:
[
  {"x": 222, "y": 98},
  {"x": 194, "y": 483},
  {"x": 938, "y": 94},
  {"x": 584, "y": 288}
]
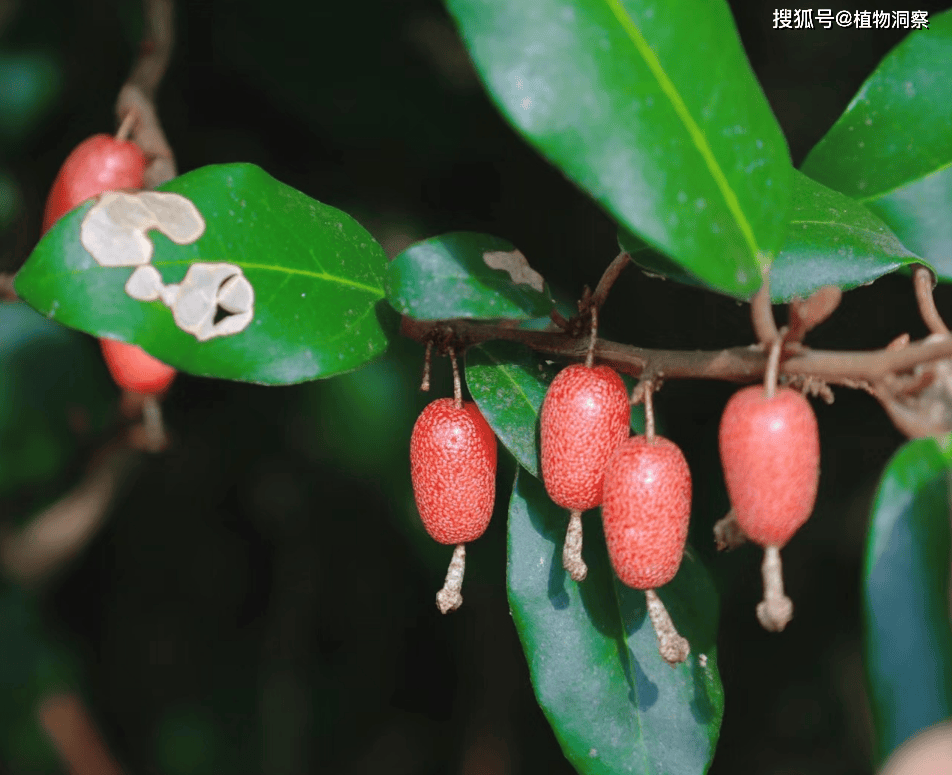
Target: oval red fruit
[
  {"x": 770, "y": 452},
  {"x": 584, "y": 417},
  {"x": 646, "y": 511},
  {"x": 453, "y": 469},
  {"x": 134, "y": 369},
  {"x": 100, "y": 163}
]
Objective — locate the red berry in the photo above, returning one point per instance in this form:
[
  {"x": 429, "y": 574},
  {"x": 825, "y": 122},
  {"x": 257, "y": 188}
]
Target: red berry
[
  {"x": 100, "y": 163},
  {"x": 134, "y": 369},
  {"x": 646, "y": 510},
  {"x": 770, "y": 451},
  {"x": 453, "y": 469},
  {"x": 584, "y": 417}
]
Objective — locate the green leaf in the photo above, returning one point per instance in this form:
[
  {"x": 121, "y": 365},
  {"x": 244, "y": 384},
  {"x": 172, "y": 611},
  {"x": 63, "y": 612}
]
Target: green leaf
[
  {"x": 54, "y": 390},
  {"x": 614, "y": 704},
  {"x": 450, "y": 277},
  {"x": 681, "y": 149},
  {"x": 316, "y": 274},
  {"x": 892, "y": 147},
  {"x": 833, "y": 240},
  {"x": 508, "y": 382},
  {"x": 908, "y": 641}
]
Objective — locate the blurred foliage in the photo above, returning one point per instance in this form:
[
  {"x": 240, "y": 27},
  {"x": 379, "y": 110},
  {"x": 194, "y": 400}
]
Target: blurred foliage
[{"x": 265, "y": 587}]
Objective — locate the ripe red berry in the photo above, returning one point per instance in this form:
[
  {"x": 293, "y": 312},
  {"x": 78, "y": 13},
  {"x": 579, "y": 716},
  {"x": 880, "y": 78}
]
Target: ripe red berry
[
  {"x": 134, "y": 369},
  {"x": 584, "y": 417},
  {"x": 646, "y": 510},
  {"x": 453, "y": 469},
  {"x": 100, "y": 163},
  {"x": 770, "y": 451}
]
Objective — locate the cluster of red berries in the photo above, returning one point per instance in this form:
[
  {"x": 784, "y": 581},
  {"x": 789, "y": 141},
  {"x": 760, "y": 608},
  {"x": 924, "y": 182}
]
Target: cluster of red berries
[
  {"x": 104, "y": 163},
  {"x": 769, "y": 446}
]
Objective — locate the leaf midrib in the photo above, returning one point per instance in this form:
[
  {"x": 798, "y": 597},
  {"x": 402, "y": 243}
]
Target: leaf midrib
[{"x": 694, "y": 131}]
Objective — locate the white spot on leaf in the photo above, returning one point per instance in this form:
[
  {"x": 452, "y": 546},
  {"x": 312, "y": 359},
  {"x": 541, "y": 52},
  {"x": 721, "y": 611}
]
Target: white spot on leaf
[{"x": 517, "y": 266}]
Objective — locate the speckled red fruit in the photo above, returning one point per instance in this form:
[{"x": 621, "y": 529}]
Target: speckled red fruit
[
  {"x": 770, "y": 451},
  {"x": 646, "y": 511},
  {"x": 134, "y": 369},
  {"x": 453, "y": 469},
  {"x": 584, "y": 417},
  {"x": 100, "y": 163}
]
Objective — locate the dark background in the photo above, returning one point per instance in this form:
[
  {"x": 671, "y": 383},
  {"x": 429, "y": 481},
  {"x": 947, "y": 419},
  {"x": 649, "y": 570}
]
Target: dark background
[{"x": 262, "y": 599}]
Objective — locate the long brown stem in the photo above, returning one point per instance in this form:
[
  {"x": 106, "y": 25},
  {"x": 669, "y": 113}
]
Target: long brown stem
[
  {"x": 75, "y": 736},
  {"x": 138, "y": 93},
  {"x": 735, "y": 364}
]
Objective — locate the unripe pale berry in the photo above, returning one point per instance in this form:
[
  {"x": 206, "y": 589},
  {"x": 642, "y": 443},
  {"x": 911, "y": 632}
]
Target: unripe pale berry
[
  {"x": 100, "y": 163},
  {"x": 134, "y": 369},
  {"x": 453, "y": 469},
  {"x": 584, "y": 417},
  {"x": 770, "y": 451},
  {"x": 646, "y": 510}
]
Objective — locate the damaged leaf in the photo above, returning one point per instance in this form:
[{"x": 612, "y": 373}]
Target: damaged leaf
[{"x": 466, "y": 275}]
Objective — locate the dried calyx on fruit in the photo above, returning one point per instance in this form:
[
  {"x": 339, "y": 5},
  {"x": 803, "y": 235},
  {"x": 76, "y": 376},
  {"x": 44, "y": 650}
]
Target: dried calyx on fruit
[
  {"x": 645, "y": 514},
  {"x": 98, "y": 164},
  {"x": 453, "y": 470},
  {"x": 585, "y": 416},
  {"x": 770, "y": 452}
]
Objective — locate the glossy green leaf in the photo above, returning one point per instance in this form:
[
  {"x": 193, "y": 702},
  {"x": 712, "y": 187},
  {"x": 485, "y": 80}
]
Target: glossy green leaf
[
  {"x": 54, "y": 390},
  {"x": 683, "y": 150},
  {"x": 317, "y": 278},
  {"x": 908, "y": 641},
  {"x": 453, "y": 276},
  {"x": 508, "y": 382},
  {"x": 892, "y": 147},
  {"x": 614, "y": 705},
  {"x": 833, "y": 240}
]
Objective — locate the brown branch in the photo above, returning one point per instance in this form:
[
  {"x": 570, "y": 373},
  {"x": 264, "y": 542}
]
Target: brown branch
[
  {"x": 924, "y": 281},
  {"x": 609, "y": 276},
  {"x": 734, "y": 364},
  {"x": 138, "y": 93},
  {"x": 75, "y": 736},
  {"x": 59, "y": 533}
]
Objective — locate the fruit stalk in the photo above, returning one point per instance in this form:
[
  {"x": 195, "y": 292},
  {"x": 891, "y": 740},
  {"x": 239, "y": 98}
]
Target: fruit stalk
[
  {"x": 572, "y": 548},
  {"x": 776, "y": 609},
  {"x": 449, "y": 598},
  {"x": 673, "y": 648}
]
